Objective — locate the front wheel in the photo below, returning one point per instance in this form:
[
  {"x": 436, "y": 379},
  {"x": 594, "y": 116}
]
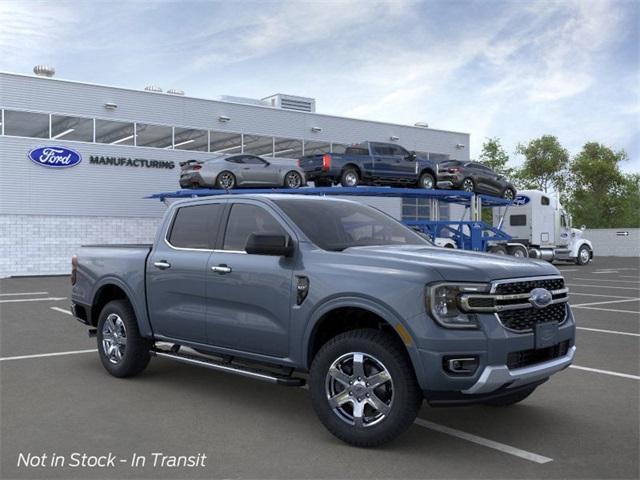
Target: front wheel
[
  {"x": 123, "y": 352},
  {"x": 468, "y": 185},
  {"x": 584, "y": 255},
  {"x": 293, "y": 179},
  {"x": 509, "y": 194},
  {"x": 363, "y": 388},
  {"x": 427, "y": 181}
]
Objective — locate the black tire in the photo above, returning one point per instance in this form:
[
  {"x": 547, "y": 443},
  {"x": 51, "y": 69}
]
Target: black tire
[
  {"x": 406, "y": 394},
  {"x": 427, "y": 181},
  {"x": 349, "y": 177},
  {"x": 519, "y": 251},
  {"x": 135, "y": 354},
  {"x": 468, "y": 185},
  {"x": 226, "y": 180},
  {"x": 293, "y": 180},
  {"x": 498, "y": 249},
  {"x": 509, "y": 400},
  {"x": 508, "y": 194},
  {"x": 584, "y": 255}
]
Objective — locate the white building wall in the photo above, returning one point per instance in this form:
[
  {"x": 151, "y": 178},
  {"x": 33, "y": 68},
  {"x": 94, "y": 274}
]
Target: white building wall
[{"x": 612, "y": 242}]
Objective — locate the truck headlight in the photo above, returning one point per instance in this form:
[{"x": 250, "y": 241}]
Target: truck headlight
[{"x": 443, "y": 302}]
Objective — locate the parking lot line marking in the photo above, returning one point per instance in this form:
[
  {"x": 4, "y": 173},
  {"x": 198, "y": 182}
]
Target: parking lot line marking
[
  {"x": 606, "y": 372},
  {"x": 41, "y": 355},
  {"x": 533, "y": 457},
  {"x": 608, "y": 310},
  {"x": 23, "y": 293},
  {"x": 603, "y": 286},
  {"x": 61, "y": 310},
  {"x": 608, "y": 331},
  {"x": 606, "y": 280},
  {"x": 628, "y": 276},
  {"x": 604, "y": 272},
  {"x": 569, "y": 269},
  {"x": 49, "y": 299},
  {"x": 597, "y": 295},
  {"x": 603, "y": 303}
]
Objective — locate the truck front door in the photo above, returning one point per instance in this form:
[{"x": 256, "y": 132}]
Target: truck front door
[
  {"x": 177, "y": 273},
  {"x": 249, "y": 296}
]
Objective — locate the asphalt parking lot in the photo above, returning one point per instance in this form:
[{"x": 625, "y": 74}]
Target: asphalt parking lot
[{"x": 584, "y": 423}]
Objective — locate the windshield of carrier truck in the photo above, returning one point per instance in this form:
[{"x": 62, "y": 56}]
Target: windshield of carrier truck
[{"x": 337, "y": 225}]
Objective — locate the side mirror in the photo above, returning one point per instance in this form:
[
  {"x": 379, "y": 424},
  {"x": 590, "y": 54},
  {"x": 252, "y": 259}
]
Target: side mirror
[
  {"x": 412, "y": 156},
  {"x": 266, "y": 244}
]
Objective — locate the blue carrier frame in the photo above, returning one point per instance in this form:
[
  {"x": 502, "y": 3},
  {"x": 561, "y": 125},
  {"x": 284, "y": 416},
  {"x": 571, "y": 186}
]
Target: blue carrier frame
[{"x": 471, "y": 234}]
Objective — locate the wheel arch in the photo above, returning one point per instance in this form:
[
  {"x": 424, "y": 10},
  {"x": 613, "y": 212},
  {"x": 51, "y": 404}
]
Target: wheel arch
[
  {"x": 345, "y": 314},
  {"x": 110, "y": 289},
  {"x": 430, "y": 171},
  {"x": 354, "y": 166}
]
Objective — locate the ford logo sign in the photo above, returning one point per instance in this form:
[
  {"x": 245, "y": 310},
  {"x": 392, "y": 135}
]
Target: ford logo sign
[
  {"x": 540, "y": 297},
  {"x": 55, "y": 157},
  {"x": 521, "y": 200}
]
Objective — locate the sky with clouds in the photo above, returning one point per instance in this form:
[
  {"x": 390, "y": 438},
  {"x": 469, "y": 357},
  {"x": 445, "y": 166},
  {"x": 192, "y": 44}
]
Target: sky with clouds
[{"x": 514, "y": 70}]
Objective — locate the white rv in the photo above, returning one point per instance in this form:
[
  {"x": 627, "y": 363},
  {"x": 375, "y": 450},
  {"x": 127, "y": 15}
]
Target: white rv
[{"x": 540, "y": 227}]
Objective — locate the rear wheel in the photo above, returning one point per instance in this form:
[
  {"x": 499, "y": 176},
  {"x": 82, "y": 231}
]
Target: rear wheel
[
  {"x": 349, "y": 178},
  {"x": 293, "y": 179},
  {"x": 509, "y": 194},
  {"x": 427, "y": 181},
  {"x": 226, "y": 180},
  {"x": 363, "y": 387},
  {"x": 584, "y": 255},
  {"x": 468, "y": 185},
  {"x": 123, "y": 352},
  {"x": 509, "y": 400},
  {"x": 519, "y": 251},
  {"x": 498, "y": 250}
]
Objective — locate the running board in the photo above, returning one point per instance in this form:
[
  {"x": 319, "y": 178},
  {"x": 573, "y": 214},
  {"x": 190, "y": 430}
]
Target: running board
[{"x": 257, "y": 374}]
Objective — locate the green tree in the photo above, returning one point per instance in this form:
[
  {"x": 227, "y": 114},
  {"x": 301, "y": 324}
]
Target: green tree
[
  {"x": 545, "y": 164},
  {"x": 600, "y": 195},
  {"x": 494, "y": 156}
]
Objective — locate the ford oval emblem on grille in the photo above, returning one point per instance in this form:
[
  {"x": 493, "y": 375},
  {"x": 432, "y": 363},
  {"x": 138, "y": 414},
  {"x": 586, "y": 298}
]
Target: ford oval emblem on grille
[
  {"x": 55, "y": 157},
  {"x": 540, "y": 297}
]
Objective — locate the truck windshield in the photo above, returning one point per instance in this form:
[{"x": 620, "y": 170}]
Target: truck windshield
[{"x": 337, "y": 225}]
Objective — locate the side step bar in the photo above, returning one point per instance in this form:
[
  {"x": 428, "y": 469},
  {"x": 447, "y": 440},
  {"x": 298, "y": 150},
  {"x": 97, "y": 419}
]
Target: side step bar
[{"x": 257, "y": 374}]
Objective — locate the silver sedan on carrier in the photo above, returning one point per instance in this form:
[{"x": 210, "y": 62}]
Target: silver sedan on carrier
[{"x": 241, "y": 170}]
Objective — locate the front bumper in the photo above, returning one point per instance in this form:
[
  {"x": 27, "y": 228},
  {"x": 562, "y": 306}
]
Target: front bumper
[{"x": 495, "y": 377}]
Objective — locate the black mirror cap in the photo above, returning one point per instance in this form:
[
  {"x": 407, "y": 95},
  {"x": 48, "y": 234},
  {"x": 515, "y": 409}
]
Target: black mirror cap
[
  {"x": 412, "y": 155},
  {"x": 269, "y": 244}
]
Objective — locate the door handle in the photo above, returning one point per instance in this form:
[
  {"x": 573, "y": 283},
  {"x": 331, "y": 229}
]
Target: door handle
[
  {"x": 221, "y": 269},
  {"x": 162, "y": 265}
]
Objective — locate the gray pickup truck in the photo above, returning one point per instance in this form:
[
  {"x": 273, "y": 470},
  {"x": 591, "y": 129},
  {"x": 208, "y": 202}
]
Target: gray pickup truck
[{"x": 290, "y": 289}]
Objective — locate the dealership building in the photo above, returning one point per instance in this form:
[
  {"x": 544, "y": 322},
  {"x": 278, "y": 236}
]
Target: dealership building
[{"x": 129, "y": 144}]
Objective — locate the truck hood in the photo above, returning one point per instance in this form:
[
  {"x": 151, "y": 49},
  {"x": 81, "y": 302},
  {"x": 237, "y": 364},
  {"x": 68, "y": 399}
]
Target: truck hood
[{"x": 458, "y": 265}]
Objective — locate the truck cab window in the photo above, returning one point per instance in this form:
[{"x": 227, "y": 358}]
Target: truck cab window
[
  {"x": 246, "y": 219},
  {"x": 196, "y": 227},
  {"x": 518, "y": 220}
]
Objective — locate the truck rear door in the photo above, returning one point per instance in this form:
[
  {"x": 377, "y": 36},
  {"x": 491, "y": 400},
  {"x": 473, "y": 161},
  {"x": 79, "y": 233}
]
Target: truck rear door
[{"x": 177, "y": 272}]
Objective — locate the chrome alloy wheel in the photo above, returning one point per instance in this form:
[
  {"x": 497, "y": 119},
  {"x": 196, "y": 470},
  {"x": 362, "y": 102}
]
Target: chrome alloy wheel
[
  {"x": 427, "y": 182},
  {"x": 114, "y": 338},
  {"x": 293, "y": 180},
  {"x": 359, "y": 389},
  {"x": 226, "y": 180},
  {"x": 467, "y": 185},
  {"x": 508, "y": 194},
  {"x": 584, "y": 255},
  {"x": 351, "y": 179}
]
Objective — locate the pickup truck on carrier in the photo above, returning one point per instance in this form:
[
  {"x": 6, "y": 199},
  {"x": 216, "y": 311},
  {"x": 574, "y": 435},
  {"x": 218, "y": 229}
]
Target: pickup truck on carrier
[
  {"x": 371, "y": 163},
  {"x": 276, "y": 286}
]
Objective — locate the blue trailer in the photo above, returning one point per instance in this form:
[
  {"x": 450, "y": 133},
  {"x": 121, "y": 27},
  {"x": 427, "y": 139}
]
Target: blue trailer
[{"x": 472, "y": 234}]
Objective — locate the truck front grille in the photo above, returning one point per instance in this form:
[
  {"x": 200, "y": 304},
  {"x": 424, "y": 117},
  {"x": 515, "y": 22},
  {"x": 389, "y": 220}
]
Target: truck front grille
[
  {"x": 524, "y": 358},
  {"x": 512, "y": 303},
  {"x": 526, "y": 319}
]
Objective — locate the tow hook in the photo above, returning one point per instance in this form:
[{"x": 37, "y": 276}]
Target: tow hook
[{"x": 92, "y": 332}]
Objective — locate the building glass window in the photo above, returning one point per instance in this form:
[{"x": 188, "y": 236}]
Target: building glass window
[
  {"x": 258, "y": 145},
  {"x": 114, "y": 133},
  {"x": 26, "y": 124},
  {"x": 157, "y": 136},
  {"x": 225, "y": 142},
  {"x": 287, "y": 148},
  {"x": 315, "y": 148},
  {"x": 415, "y": 209},
  {"x": 71, "y": 128},
  {"x": 190, "y": 139}
]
